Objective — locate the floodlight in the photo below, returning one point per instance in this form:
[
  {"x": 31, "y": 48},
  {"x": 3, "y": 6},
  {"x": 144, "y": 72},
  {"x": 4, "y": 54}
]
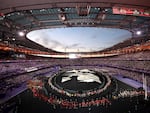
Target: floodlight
[
  {"x": 21, "y": 33},
  {"x": 138, "y": 32}
]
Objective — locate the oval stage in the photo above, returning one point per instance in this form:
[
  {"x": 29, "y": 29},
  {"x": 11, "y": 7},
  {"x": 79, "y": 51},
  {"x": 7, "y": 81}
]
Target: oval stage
[{"x": 79, "y": 83}]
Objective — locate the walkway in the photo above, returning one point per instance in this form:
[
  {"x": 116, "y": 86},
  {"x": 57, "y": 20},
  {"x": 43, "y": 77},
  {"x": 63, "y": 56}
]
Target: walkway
[{"x": 129, "y": 81}]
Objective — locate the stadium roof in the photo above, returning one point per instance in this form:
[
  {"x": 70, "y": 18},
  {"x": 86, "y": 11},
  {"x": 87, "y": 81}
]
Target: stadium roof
[{"x": 29, "y": 15}]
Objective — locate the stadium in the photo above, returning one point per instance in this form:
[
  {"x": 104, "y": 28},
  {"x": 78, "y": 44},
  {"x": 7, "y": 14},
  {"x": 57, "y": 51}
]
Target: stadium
[{"x": 78, "y": 56}]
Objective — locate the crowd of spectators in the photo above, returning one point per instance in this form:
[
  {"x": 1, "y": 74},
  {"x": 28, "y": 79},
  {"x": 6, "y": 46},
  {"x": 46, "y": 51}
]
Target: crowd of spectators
[
  {"x": 14, "y": 72},
  {"x": 18, "y": 74}
]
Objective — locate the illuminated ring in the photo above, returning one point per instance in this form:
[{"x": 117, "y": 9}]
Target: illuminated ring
[{"x": 72, "y": 93}]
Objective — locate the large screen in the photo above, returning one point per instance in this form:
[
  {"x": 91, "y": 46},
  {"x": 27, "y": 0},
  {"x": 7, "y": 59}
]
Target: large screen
[{"x": 131, "y": 11}]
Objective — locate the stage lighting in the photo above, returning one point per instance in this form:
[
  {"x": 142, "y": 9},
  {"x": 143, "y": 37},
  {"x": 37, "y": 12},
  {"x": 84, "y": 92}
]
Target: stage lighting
[{"x": 72, "y": 56}]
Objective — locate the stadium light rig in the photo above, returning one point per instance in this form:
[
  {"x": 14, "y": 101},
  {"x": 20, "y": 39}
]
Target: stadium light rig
[
  {"x": 138, "y": 32},
  {"x": 21, "y": 33}
]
